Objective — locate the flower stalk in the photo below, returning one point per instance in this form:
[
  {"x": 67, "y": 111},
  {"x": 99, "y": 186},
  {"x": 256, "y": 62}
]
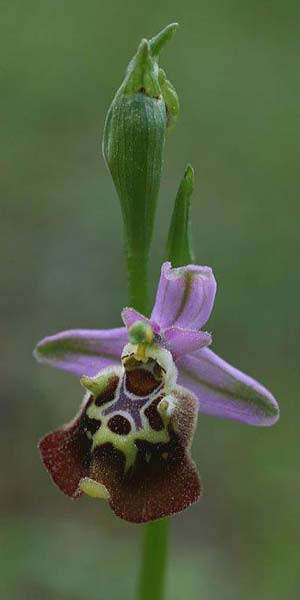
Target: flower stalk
[
  {"x": 137, "y": 267},
  {"x": 154, "y": 560}
]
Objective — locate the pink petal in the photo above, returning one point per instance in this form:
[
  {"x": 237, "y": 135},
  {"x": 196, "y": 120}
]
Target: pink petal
[
  {"x": 226, "y": 392},
  {"x": 82, "y": 351},
  {"x": 131, "y": 316},
  {"x": 185, "y": 341},
  {"x": 185, "y": 296}
]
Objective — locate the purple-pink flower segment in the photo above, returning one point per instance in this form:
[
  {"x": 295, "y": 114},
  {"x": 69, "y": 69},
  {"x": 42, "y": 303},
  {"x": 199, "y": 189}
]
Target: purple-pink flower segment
[{"x": 137, "y": 455}]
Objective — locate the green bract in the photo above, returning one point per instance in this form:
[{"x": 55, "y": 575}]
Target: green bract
[
  {"x": 179, "y": 244},
  {"x": 143, "y": 108}
]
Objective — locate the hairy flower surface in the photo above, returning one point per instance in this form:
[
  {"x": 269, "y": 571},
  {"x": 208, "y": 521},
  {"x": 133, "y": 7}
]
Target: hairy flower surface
[{"x": 130, "y": 442}]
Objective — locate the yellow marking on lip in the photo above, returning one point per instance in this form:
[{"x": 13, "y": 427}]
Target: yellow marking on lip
[
  {"x": 93, "y": 488},
  {"x": 163, "y": 405},
  {"x": 126, "y": 443},
  {"x": 123, "y": 443}
]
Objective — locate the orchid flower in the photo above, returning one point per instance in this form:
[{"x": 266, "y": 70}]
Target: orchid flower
[{"x": 145, "y": 382}]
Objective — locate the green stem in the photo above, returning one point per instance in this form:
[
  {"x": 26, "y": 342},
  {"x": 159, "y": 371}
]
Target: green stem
[
  {"x": 137, "y": 265},
  {"x": 154, "y": 561}
]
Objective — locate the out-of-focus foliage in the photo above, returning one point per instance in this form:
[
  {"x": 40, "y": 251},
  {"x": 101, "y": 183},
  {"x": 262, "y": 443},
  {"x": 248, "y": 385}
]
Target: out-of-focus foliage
[{"x": 235, "y": 65}]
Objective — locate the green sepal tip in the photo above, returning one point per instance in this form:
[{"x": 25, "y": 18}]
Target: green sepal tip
[
  {"x": 159, "y": 40},
  {"x": 179, "y": 245}
]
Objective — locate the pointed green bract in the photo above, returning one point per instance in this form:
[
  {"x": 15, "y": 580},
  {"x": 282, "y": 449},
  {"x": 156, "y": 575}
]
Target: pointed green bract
[
  {"x": 133, "y": 142},
  {"x": 179, "y": 244}
]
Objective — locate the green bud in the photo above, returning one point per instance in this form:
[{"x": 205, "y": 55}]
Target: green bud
[
  {"x": 179, "y": 244},
  {"x": 134, "y": 135}
]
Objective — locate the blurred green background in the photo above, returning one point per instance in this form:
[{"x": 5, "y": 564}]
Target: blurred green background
[{"x": 235, "y": 65}]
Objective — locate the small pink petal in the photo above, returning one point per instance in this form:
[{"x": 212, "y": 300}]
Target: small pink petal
[
  {"x": 185, "y": 341},
  {"x": 185, "y": 296}
]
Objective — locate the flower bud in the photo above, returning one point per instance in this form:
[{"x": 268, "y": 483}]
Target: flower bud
[{"x": 143, "y": 108}]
